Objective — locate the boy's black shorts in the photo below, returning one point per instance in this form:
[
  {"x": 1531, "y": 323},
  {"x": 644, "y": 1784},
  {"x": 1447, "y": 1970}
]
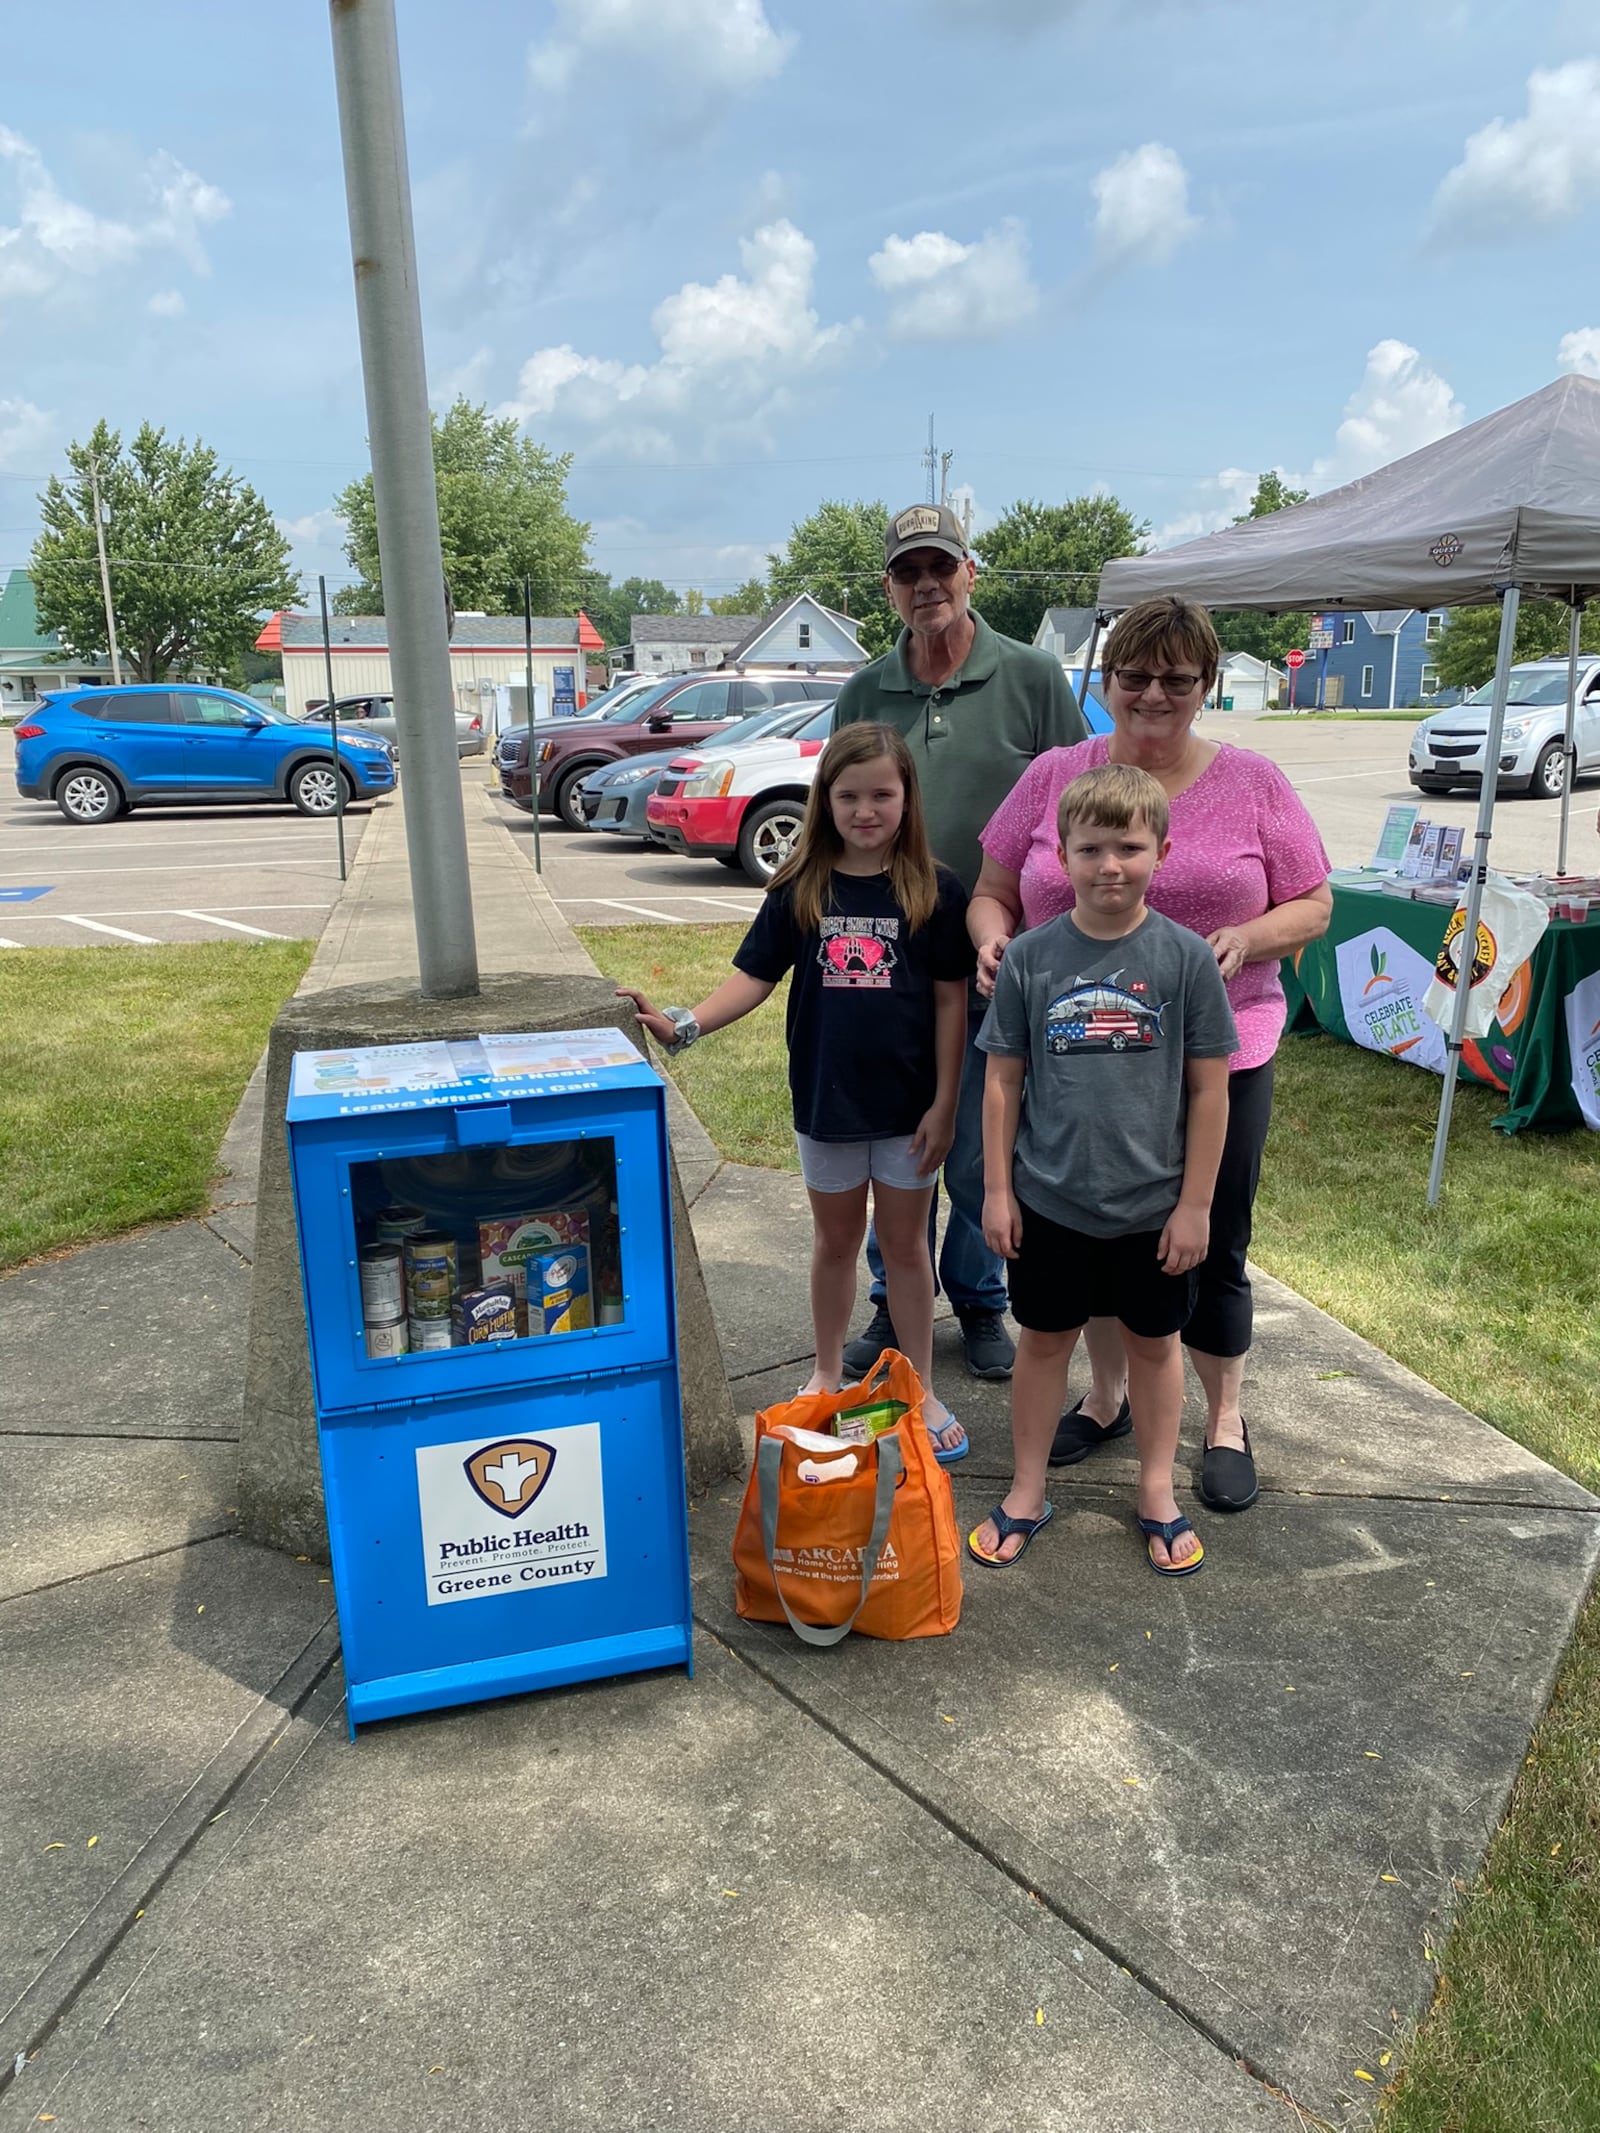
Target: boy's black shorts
[{"x": 1061, "y": 1277}]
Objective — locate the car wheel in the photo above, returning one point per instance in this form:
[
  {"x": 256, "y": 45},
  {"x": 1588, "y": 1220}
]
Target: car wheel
[
  {"x": 768, "y": 837},
  {"x": 1549, "y": 780},
  {"x": 567, "y": 804},
  {"x": 314, "y": 789},
  {"x": 87, "y": 795}
]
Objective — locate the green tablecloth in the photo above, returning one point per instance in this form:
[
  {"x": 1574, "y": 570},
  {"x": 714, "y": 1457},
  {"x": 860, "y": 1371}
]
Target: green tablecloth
[{"x": 1366, "y": 978}]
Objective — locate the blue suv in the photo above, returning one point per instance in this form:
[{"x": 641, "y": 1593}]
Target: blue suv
[{"x": 98, "y": 752}]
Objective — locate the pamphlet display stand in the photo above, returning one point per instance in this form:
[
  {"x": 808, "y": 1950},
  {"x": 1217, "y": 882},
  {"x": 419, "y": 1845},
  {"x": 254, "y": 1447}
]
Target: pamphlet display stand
[{"x": 486, "y": 1245}]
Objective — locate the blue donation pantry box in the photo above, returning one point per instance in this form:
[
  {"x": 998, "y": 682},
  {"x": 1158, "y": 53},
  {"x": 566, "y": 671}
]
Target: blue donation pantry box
[{"x": 486, "y": 1241}]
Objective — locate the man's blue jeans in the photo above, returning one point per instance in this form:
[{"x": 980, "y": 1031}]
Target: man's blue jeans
[{"x": 970, "y": 1274}]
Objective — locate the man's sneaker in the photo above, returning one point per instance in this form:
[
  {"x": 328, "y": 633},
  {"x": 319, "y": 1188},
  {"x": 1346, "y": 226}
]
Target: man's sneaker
[
  {"x": 876, "y": 1335},
  {"x": 986, "y": 1344}
]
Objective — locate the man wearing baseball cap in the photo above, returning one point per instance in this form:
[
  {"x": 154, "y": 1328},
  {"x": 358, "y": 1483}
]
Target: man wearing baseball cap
[{"x": 975, "y": 709}]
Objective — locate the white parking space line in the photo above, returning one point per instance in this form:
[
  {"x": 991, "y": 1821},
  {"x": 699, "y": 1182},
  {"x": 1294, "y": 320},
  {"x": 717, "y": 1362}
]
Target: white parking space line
[
  {"x": 4, "y": 943},
  {"x": 142, "y": 844},
  {"x": 612, "y": 903},
  {"x": 208, "y": 866},
  {"x": 145, "y": 940},
  {"x": 211, "y": 918},
  {"x": 726, "y": 903}
]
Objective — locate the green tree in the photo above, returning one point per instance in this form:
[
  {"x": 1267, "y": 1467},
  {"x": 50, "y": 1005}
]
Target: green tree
[
  {"x": 503, "y": 517},
  {"x": 836, "y": 555},
  {"x": 1466, "y": 653},
  {"x": 750, "y": 598},
  {"x": 1246, "y": 630},
  {"x": 694, "y": 601},
  {"x": 195, "y": 557},
  {"x": 1049, "y": 555}
]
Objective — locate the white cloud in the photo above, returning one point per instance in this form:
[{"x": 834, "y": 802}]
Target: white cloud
[
  {"x": 1399, "y": 406},
  {"x": 942, "y": 290},
  {"x": 1579, "y": 352},
  {"x": 730, "y": 350},
  {"x": 316, "y": 543},
  {"x": 1141, "y": 208},
  {"x": 56, "y": 243},
  {"x": 694, "y": 52},
  {"x": 964, "y": 503},
  {"x": 1523, "y": 175},
  {"x": 26, "y": 432},
  {"x": 1223, "y": 499},
  {"x": 167, "y": 303}
]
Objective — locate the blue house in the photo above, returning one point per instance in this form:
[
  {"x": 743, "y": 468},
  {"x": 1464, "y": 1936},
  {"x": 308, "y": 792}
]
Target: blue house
[{"x": 1378, "y": 661}]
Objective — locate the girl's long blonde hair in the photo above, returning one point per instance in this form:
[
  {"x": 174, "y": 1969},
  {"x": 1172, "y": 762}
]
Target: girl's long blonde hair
[{"x": 807, "y": 873}]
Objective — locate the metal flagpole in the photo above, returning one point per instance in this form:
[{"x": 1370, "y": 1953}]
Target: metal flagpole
[
  {"x": 366, "y": 65},
  {"x": 533, "y": 753},
  {"x": 1509, "y": 601},
  {"x": 333, "y": 722},
  {"x": 1569, "y": 746}
]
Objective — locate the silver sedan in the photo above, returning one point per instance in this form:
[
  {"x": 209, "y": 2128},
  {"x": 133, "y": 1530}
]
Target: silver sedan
[{"x": 375, "y": 714}]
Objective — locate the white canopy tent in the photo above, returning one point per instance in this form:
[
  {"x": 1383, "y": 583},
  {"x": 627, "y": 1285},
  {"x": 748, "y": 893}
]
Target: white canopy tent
[{"x": 1509, "y": 506}]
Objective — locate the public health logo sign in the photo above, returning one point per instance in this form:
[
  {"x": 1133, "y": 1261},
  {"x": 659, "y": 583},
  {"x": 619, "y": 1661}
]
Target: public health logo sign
[
  {"x": 1382, "y": 985},
  {"x": 513, "y": 1515}
]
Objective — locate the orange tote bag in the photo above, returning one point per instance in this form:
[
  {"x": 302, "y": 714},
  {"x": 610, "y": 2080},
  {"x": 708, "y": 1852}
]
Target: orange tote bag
[{"x": 874, "y": 1551}]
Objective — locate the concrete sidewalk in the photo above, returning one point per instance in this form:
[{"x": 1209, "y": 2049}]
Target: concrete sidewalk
[{"x": 1116, "y": 1855}]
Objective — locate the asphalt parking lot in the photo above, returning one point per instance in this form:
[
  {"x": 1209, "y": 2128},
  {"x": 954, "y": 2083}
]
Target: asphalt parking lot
[
  {"x": 1348, "y": 772},
  {"x": 163, "y": 873}
]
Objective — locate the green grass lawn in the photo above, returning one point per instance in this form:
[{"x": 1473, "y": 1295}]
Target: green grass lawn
[
  {"x": 1493, "y": 1298},
  {"x": 119, "y": 1071}
]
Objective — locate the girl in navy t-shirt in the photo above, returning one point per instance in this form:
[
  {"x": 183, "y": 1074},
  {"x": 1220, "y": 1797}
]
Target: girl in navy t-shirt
[{"x": 875, "y": 933}]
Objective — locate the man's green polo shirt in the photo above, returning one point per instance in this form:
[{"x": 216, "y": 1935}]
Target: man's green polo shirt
[{"x": 973, "y": 736}]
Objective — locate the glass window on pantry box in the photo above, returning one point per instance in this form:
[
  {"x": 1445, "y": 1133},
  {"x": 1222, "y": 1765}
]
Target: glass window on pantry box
[{"x": 485, "y": 1244}]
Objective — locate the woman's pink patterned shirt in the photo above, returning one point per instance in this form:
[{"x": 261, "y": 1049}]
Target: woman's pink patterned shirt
[{"x": 1242, "y": 843}]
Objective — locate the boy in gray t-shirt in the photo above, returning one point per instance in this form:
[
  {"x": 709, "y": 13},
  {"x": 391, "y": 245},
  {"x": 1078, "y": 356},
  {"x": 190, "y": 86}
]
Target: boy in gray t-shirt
[{"x": 1104, "y": 1111}]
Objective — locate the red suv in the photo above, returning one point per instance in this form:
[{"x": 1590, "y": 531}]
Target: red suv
[{"x": 680, "y": 711}]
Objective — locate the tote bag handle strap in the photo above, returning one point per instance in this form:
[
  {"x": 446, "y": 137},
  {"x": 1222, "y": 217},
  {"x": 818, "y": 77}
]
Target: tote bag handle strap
[{"x": 769, "y": 1459}]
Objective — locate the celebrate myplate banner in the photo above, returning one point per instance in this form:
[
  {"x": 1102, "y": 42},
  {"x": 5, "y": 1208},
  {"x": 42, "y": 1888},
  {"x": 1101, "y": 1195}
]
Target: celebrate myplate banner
[{"x": 1382, "y": 985}]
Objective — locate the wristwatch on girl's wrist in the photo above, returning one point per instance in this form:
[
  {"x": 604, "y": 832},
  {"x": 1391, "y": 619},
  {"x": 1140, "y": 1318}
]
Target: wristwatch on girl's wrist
[{"x": 682, "y": 1020}]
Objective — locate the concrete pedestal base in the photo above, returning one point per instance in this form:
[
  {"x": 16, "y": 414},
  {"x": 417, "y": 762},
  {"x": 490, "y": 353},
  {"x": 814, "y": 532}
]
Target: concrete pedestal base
[{"x": 280, "y": 1485}]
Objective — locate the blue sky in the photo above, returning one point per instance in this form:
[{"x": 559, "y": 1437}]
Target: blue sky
[{"x": 732, "y": 254}]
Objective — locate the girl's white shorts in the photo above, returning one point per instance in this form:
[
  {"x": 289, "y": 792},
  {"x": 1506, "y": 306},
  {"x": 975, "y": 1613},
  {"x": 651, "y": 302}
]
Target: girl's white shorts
[{"x": 843, "y": 1166}]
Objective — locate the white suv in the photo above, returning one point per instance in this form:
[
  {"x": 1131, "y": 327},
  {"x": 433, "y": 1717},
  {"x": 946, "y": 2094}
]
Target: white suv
[{"x": 1447, "y": 749}]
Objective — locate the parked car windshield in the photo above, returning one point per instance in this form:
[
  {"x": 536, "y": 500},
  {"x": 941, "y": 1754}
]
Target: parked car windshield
[
  {"x": 638, "y": 704},
  {"x": 1529, "y": 685}
]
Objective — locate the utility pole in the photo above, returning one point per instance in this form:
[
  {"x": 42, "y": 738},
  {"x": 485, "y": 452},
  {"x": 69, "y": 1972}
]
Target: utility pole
[
  {"x": 366, "y": 65},
  {"x": 944, "y": 476},
  {"x": 930, "y": 459},
  {"x": 105, "y": 570}
]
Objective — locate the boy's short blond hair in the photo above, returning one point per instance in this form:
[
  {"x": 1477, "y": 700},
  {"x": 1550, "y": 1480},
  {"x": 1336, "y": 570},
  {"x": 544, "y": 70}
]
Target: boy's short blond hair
[{"x": 1112, "y": 797}]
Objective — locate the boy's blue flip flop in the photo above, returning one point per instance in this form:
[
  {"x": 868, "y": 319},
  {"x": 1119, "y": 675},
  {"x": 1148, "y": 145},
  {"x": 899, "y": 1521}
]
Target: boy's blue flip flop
[
  {"x": 955, "y": 1452},
  {"x": 1004, "y": 1527},
  {"x": 1168, "y": 1530}
]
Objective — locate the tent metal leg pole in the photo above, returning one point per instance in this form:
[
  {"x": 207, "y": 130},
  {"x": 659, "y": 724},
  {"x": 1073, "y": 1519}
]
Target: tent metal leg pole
[
  {"x": 1509, "y": 601},
  {"x": 1569, "y": 745}
]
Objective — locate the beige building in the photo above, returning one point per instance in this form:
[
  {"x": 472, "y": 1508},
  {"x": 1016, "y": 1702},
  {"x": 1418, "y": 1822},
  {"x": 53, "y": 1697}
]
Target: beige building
[{"x": 484, "y": 650}]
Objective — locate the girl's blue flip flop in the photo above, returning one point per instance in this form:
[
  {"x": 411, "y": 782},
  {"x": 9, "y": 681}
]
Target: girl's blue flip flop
[
  {"x": 1004, "y": 1527},
  {"x": 956, "y": 1452},
  {"x": 1168, "y": 1531}
]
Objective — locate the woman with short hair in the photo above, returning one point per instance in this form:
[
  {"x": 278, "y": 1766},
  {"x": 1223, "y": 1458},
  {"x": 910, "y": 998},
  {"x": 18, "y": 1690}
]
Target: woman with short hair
[{"x": 1248, "y": 872}]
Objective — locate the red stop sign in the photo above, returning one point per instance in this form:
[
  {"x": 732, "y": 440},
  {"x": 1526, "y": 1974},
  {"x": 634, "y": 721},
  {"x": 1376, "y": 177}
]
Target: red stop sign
[{"x": 1294, "y": 659}]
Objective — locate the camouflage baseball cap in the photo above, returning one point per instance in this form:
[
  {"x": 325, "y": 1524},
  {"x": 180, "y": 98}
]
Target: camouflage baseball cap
[{"x": 924, "y": 526}]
